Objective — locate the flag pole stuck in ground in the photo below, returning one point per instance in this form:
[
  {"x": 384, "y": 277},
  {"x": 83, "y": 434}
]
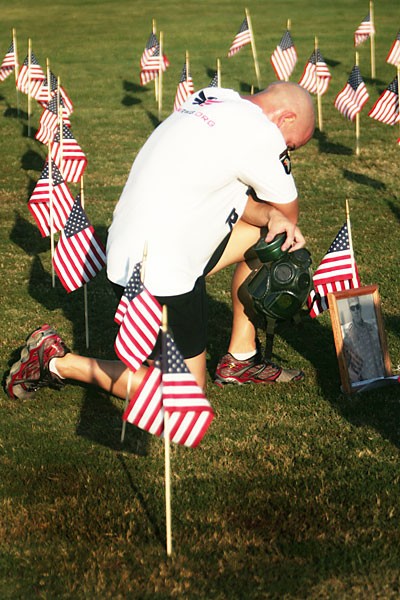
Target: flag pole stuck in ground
[
  {"x": 129, "y": 385},
  {"x": 253, "y": 49},
  {"x": 167, "y": 459}
]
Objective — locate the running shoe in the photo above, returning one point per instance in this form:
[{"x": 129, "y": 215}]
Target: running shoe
[
  {"x": 254, "y": 370},
  {"x": 31, "y": 371}
]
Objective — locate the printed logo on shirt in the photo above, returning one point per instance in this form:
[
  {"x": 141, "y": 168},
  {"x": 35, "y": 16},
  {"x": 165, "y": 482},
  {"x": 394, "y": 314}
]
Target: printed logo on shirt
[
  {"x": 232, "y": 218},
  {"x": 201, "y": 99},
  {"x": 284, "y": 157}
]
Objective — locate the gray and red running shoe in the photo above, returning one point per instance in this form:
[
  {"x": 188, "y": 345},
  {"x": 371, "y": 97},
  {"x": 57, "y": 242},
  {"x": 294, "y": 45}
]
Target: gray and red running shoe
[
  {"x": 254, "y": 370},
  {"x": 31, "y": 371}
]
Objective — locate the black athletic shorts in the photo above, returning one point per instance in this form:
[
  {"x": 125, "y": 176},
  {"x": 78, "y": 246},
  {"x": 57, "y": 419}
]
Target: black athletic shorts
[{"x": 187, "y": 313}]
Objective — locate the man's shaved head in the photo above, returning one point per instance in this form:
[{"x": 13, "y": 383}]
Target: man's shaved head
[{"x": 291, "y": 108}]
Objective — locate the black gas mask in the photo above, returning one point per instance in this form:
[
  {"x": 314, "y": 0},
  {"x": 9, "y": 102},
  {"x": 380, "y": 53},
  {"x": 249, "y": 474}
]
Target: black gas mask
[{"x": 281, "y": 285}]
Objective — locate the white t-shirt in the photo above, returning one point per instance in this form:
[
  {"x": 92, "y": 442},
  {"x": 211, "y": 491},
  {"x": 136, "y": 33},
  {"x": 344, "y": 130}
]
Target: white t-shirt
[{"x": 187, "y": 187}]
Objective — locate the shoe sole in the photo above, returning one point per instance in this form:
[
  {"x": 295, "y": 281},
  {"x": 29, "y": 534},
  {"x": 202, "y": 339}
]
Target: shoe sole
[
  {"x": 231, "y": 380},
  {"x": 32, "y": 342}
]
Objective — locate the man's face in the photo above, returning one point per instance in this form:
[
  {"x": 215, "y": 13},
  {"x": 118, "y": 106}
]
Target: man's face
[{"x": 356, "y": 312}]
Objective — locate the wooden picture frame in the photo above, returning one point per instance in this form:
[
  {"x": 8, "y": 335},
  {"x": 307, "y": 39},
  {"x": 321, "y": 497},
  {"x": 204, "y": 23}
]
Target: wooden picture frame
[{"x": 359, "y": 336}]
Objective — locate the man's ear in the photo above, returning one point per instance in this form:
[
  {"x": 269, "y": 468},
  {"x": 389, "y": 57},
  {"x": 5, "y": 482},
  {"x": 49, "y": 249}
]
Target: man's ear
[{"x": 286, "y": 117}]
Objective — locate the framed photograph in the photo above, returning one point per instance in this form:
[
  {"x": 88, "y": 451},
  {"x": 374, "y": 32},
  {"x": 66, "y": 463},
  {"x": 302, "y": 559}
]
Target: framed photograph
[{"x": 360, "y": 338}]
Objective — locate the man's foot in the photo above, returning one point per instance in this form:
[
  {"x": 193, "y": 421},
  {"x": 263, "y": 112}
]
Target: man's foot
[
  {"x": 254, "y": 370},
  {"x": 31, "y": 371}
]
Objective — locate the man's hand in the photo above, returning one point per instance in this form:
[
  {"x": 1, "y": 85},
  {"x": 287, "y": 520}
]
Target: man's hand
[{"x": 278, "y": 223}]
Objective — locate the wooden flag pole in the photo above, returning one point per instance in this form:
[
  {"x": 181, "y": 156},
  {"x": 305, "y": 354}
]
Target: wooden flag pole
[
  {"x": 357, "y": 123},
  {"x": 29, "y": 86},
  {"x": 129, "y": 384},
  {"x": 85, "y": 296},
  {"x": 154, "y": 29},
  {"x": 398, "y": 95},
  {"x": 16, "y": 69},
  {"x": 127, "y": 396},
  {"x": 60, "y": 124},
  {"x": 218, "y": 72},
  {"x": 51, "y": 207},
  {"x": 288, "y": 26},
  {"x": 353, "y": 264},
  {"x": 167, "y": 461},
  {"x": 319, "y": 104},
  {"x": 372, "y": 39},
  {"x": 253, "y": 49},
  {"x": 187, "y": 67},
  {"x": 160, "y": 77}
]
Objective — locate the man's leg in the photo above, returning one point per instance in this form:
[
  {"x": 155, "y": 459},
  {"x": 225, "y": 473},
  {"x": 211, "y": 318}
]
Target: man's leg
[
  {"x": 45, "y": 361},
  {"x": 243, "y": 362},
  {"x": 243, "y": 237}
]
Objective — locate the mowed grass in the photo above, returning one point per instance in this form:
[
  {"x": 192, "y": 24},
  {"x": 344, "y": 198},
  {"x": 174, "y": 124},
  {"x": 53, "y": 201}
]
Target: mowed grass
[{"x": 294, "y": 491}]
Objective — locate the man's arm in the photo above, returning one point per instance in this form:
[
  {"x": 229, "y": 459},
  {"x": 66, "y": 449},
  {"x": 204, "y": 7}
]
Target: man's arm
[{"x": 279, "y": 218}]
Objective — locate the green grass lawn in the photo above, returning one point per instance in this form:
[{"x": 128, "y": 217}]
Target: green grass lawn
[{"x": 294, "y": 491}]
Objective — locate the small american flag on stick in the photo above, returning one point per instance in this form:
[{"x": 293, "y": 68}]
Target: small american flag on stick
[
  {"x": 393, "y": 58},
  {"x": 168, "y": 385},
  {"x": 336, "y": 272},
  {"x": 68, "y": 155},
  {"x": 185, "y": 87},
  {"x": 351, "y": 99},
  {"x": 139, "y": 315},
  {"x": 386, "y": 108},
  {"x": 30, "y": 80},
  {"x": 364, "y": 30},
  {"x": 9, "y": 62},
  {"x": 58, "y": 192},
  {"x": 284, "y": 57},
  {"x": 79, "y": 254},
  {"x": 49, "y": 121},
  {"x": 241, "y": 39},
  {"x": 316, "y": 76}
]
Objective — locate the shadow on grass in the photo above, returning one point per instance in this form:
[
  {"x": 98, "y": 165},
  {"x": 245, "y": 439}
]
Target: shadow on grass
[
  {"x": 151, "y": 518},
  {"x": 363, "y": 180},
  {"x": 394, "y": 208},
  {"x": 15, "y": 113},
  {"x": 101, "y": 416},
  {"x": 132, "y": 88},
  {"x": 379, "y": 408},
  {"x": 27, "y": 236},
  {"x": 32, "y": 161},
  {"x": 328, "y": 147}
]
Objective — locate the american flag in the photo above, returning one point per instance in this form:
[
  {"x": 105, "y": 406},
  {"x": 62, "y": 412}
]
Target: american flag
[
  {"x": 242, "y": 38},
  {"x": 351, "y": 99},
  {"x": 168, "y": 385},
  {"x": 9, "y": 63},
  {"x": 61, "y": 201},
  {"x": 68, "y": 155},
  {"x": 132, "y": 288},
  {"x": 284, "y": 57},
  {"x": 151, "y": 68},
  {"x": 215, "y": 81},
  {"x": 336, "y": 272},
  {"x": 44, "y": 92},
  {"x": 49, "y": 121},
  {"x": 185, "y": 88},
  {"x": 151, "y": 45},
  {"x": 79, "y": 254},
  {"x": 364, "y": 30},
  {"x": 36, "y": 77},
  {"x": 393, "y": 58},
  {"x": 140, "y": 324},
  {"x": 316, "y": 76},
  {"x": 386, "y": 108}
]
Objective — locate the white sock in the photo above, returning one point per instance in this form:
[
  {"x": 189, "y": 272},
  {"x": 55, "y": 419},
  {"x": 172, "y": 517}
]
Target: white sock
[
  {"x": 53, "y": 367},
  {"x": 244, "y": 355}
]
